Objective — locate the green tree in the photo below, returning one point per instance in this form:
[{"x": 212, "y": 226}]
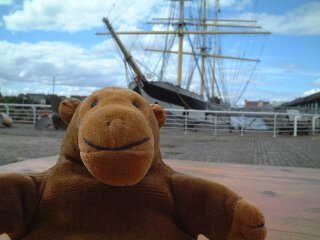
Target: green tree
[{"x": 18, "y": 99}]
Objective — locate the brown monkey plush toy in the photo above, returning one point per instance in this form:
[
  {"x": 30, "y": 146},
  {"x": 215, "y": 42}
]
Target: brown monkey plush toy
[{"x": 110, "y": 183}]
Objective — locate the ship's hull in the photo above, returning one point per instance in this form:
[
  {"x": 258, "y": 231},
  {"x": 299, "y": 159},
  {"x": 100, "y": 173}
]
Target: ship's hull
[{"x": 169, "y": 95}]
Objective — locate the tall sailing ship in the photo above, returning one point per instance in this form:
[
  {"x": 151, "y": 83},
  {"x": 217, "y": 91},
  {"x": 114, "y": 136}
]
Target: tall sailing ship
[{"x": 185, "y": 67}]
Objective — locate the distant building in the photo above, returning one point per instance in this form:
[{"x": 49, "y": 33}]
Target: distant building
[
  {"x": 37, "y": 97},
  {"x": 257, "y": 105},
  {"x": 308, "y": 104},
  {"x": 276, "y": 103},
  {"x": 78, "y": 97}
]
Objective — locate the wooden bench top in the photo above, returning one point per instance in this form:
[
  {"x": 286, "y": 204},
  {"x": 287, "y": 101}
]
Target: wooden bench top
[{"x": 289, "y": 197}]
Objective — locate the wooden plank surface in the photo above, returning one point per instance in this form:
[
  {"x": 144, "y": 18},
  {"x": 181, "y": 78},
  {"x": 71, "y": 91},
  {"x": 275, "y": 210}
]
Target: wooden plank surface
[{"x": 289, "y": 197}]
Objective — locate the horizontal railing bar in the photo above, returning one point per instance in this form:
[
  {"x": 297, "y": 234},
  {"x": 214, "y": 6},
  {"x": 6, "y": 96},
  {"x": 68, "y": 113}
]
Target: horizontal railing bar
[
  {"x": 239, "y": 112},
  {"x": 216, "y": 121}
]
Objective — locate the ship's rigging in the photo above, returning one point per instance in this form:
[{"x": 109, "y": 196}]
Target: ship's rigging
[{"x": 193, "y": 48}]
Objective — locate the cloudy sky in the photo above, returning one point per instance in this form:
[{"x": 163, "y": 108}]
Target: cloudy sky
[{"x": 40, "y": 39}]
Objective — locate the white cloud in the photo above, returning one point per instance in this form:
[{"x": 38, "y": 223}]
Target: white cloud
[
  {"x": 310, "y": 92},
  {"x": 304, "y": 20},
  {"x": 74, "y": 15},
  {"x": 71, "y": 15},
  {"x": 317, "y": 82},
  {"x": 56, "y": 15},
  {"x": 36, "y": 64},
  {"x": 235, "y": 4},
  {"x": 6, "y": 2}
]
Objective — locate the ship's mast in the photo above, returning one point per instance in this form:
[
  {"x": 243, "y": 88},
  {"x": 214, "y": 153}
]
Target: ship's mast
[
  {"x": 125, "y": 52},
  {"x": 213, "y": 80},
  {"x": 181, "y": 32},
  {"x": 203, "y": 48},
  {"x": 181, "y": 37}
]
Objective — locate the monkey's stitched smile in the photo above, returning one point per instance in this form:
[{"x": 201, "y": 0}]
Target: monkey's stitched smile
[{"x": 125, "y": 147}]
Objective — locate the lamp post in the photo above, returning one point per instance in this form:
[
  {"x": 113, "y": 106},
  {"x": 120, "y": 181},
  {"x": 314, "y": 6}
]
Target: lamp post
[{"x": 53, "y": 84}]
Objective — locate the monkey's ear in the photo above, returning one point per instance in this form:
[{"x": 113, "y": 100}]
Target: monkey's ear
[
  {"x": 160, "y": 114},
  {"x": 67, "y": 108}
]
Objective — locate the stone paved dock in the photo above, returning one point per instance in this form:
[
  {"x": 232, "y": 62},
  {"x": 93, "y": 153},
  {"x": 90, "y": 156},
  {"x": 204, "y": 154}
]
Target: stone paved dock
[
  {"x": 284, "y": 150},
  {"x": 22, "y": 142}
]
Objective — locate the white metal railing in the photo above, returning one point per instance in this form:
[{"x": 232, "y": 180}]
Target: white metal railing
[
  {"x": 243, "y": 122},
  {"x": 26, "y": 113},
  {"x": 240, "y": 122}
]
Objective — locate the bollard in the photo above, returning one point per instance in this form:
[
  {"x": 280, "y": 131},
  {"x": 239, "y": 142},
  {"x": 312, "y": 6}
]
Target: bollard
[{"x": 5, "y": 120}]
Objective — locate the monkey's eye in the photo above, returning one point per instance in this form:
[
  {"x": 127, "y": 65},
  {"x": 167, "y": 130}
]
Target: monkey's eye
[
  {"x": 94, "y": 103},
  {"x": 137, "y": 105}
]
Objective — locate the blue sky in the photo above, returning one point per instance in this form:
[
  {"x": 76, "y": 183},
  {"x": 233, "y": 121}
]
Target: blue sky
[{"x": 40, "y": 39}]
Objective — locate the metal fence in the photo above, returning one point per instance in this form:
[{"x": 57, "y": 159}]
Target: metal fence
[
  {"x": 25, "y": 113},
  {"x": 240, "y": 122},
  {"x": 243, "y": 123}
]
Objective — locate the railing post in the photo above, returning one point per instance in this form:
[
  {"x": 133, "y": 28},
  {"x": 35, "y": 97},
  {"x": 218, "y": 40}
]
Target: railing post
[
  {"x": 186, "y": 123},
  {"x": 314, "y": 124},
  {"x": 34, "y": 114},
  {"x": 7, "y": 109},
  {"x": 215, "y": 124},
  {"x": 275, "y": 125},
  {"x": 295, "y": 125},
  {"x": 242, "y": 123}
]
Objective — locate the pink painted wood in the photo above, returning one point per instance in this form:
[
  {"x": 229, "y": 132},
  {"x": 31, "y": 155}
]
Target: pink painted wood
[{"x": 289, "y": 197}]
